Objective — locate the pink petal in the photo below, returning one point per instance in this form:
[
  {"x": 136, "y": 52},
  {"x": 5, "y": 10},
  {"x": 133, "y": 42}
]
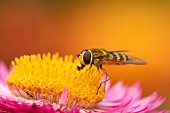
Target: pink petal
[
  {"x": 119, "y": 95},
  {"x": 126, "y": 99},
  {"x": 63, "y": 97},
  {"x": 160, "y": 111},
  {"x": 142, "y": 105},
  {"x": 26, "y": 107},
  {"x": 115, "y": 93},
  {"x": 3, "y": 72},
  {"x": 157, "y": 103},
  {"x": 74, "y": 110},
  {"x": 134, "y": 92}
]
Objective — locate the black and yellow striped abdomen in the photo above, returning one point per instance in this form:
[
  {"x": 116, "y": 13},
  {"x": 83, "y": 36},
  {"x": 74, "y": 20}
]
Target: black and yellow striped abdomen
[{"x": 119, "y": 56}]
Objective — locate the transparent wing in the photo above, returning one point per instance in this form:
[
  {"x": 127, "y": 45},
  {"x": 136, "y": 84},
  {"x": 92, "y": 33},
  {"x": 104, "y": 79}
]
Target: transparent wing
[
  {"x": 120, "y": 51},
  {"x": 132, "y": 60}
]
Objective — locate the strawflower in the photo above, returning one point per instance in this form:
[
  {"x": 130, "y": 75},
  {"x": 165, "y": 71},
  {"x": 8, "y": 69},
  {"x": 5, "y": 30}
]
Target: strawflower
[{"x": 50, "y": 84}]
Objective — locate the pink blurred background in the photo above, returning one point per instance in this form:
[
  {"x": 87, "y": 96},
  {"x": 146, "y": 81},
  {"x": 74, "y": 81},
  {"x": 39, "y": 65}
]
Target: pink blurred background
[{"x": 28, "y": 27}]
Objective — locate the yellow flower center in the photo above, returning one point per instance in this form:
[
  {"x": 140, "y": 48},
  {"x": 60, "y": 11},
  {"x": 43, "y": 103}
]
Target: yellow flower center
[{"x": 48, "y": 74}]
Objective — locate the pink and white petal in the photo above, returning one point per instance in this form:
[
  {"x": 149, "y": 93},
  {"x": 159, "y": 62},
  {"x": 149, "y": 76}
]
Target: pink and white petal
[
  {"x": 115, "y": 93},
  {"x": 26, "y": 107},
  {"x": 4, "y": 90},
  {"x": 148, "y": 100},
  {"x": 127, "y": 110},
  {"x": 130, "y": 102},
  {"x": 159, "y": 111},
  {"x": 120, "y": 96},
  {"x": 157, "y": 103},
  {"x": 75, "y": 110},
  {"x": 131, "y": 94},
  {"x": 63, "y": 97},
  {"x": 135, "y": 92},
  {"x": 114, "y": 106},
  {"x": 143, "y": 104},
  {"x": 4, "y": 71}
]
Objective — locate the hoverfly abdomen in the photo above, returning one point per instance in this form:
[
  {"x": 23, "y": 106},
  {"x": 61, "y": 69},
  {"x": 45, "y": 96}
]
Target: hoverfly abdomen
[
  {"x": 127, "y": 57},
  {"x": 113, "y": 56},
  {"x": 121, "y": 57},
  {"x": 118, "y": 56},
  {"x": 124, "y": 57}
]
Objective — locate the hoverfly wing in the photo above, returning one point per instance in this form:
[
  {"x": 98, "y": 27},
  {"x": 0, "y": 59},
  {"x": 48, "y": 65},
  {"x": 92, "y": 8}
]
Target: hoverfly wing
[
  {"x": 120, "y": 51},
  {"x": 120, "y": 59},
  {"x": 134, "y": 60}
]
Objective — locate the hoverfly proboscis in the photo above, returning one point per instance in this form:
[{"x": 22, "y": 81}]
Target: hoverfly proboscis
[{"x": 98, "y": 57}]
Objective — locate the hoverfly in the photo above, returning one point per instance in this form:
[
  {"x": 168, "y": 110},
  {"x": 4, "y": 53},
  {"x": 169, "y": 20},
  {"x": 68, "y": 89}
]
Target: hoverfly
[{"x": 98, "y": 57}]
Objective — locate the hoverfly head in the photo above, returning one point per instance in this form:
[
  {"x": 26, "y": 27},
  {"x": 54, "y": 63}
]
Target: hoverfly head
[{"x": 86, "y": 57}]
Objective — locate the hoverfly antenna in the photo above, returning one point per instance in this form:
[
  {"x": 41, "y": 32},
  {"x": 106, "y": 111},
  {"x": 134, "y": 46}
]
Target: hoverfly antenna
[{"x": 77, "y": 55}]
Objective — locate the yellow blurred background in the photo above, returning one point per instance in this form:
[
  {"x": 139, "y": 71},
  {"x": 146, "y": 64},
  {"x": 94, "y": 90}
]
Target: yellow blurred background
[{"x": 28, "y": 27}]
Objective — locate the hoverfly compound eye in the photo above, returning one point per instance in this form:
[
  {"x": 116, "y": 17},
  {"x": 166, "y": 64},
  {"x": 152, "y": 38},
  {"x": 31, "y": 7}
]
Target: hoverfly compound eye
[{"x": 87, "y": 57}]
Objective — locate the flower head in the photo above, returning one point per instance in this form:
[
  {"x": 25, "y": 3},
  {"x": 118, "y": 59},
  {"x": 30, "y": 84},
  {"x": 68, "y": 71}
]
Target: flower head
[
  {"x": 47, "y": 75},
  {"x": 47, "y": 83}
]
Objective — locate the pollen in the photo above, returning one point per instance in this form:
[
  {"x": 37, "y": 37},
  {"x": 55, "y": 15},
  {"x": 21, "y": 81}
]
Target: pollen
[{"x": 45, "y": 76}]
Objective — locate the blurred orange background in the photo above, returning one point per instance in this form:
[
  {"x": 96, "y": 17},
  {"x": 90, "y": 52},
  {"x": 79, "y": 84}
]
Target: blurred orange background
[{"x": 28, "y": 27}]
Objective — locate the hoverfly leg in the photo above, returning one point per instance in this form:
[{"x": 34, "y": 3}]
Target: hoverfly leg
[
  {"x": 98, "y": 88},
  {"x": 90, "y": 66},
  {"x": 99, "y": 67},
  {"x": 106, "y": 79},
  {"x": 105, "y": 71},
  {"x": 80, "y": 67}
]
